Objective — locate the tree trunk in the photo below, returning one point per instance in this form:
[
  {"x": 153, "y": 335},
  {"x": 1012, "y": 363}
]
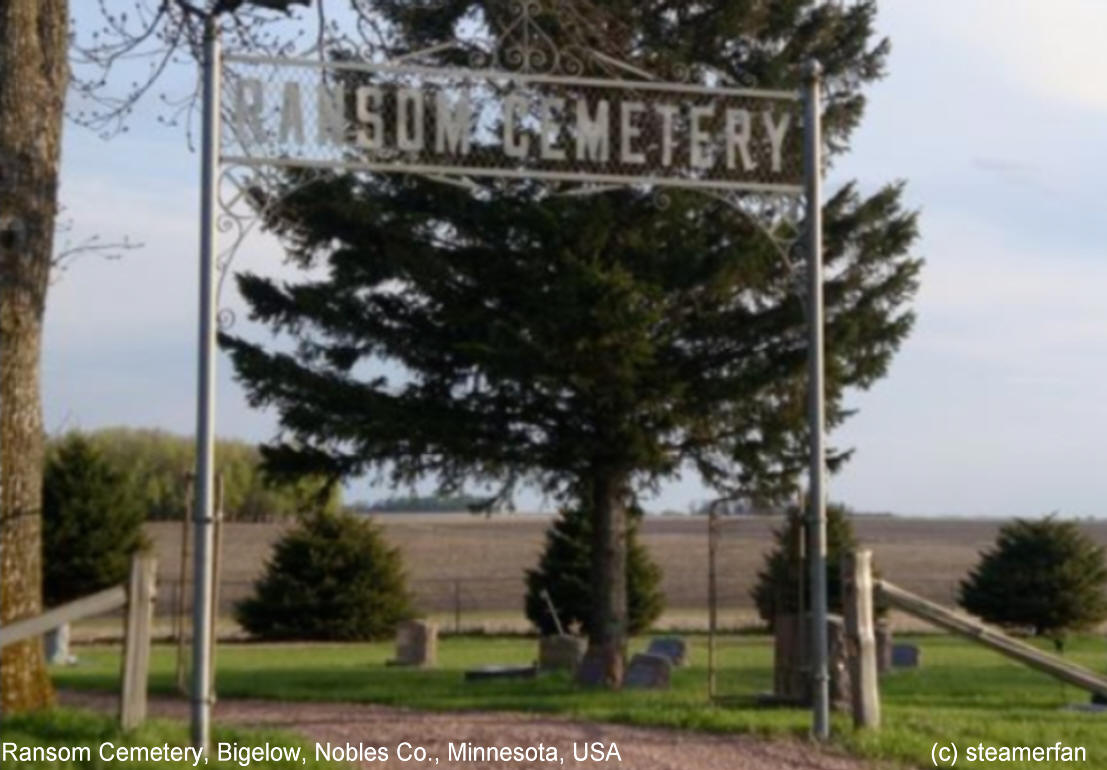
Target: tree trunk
[
  {"x": 608, "y": 639},
  {"x": 33, "y": 80}
]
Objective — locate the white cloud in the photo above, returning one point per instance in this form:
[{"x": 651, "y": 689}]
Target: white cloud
[
  {"x": 1054, "y": 48},
  {"x": 991, "y": 299},
  {"x": 994, "y": 403}
]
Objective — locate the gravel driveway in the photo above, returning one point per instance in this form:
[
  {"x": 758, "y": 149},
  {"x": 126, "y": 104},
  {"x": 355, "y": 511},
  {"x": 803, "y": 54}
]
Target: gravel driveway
[{"x": 640, "y": 748}]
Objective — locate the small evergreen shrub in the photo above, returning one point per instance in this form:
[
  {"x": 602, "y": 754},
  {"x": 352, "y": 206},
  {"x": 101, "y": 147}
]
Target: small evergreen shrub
[
  {"x": 777, "y": 588},
  {"x": 91, "y": 523},
  {"x": 333, "y": 577},
  {"x": 565, "y": 571},
  {"x": 1047, "y": 576}
]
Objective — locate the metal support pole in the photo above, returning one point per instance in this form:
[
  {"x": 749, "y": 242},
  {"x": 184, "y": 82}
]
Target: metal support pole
[
  {"x": 205, "y": 410},
  {"x": 817, "y": 497}
]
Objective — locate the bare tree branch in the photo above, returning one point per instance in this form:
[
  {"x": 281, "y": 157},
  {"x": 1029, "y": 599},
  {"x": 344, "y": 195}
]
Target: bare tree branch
[
  {"x": 232, "y": 6},
  {"x": 161, "y": 33},
  {"x": 71, "y": 249}
]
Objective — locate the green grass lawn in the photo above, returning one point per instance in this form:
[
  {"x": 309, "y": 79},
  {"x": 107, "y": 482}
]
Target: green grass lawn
[
  {"x": 963, "y": 693},
  {"x": 68, "y": 728}
]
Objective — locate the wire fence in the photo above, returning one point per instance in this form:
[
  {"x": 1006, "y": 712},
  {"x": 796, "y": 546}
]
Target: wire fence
[
  {"x": 463, "y": 604},
  {"x": 466, "y": 584},
  {"x": 454, "y": 599}
]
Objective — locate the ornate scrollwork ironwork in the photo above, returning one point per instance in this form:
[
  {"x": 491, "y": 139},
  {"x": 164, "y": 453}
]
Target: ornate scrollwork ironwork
[
  {"x": 779, "y": 217},
  {"x": 247, "y": 196},
  {"x": 522, "y": 45},
  {"x": 661, "y": 199}
]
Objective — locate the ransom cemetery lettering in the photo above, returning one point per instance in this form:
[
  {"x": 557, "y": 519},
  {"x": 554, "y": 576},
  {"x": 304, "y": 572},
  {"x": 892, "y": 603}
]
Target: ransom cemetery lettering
[
  {"x": 396, "y": 119},
  {"x": 496, "y": 126}
]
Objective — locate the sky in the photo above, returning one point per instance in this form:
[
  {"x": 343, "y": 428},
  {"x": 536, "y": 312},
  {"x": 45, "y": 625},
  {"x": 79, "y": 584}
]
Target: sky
[{"x": 994, "y": 113}]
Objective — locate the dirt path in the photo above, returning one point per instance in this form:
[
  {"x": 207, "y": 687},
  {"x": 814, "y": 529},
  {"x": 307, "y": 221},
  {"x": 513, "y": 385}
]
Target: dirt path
[{"x": 640, "y": 748}]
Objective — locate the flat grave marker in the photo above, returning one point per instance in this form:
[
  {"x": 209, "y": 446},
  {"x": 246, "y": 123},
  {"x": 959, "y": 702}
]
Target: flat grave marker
[{"x": 490, "y": 672}]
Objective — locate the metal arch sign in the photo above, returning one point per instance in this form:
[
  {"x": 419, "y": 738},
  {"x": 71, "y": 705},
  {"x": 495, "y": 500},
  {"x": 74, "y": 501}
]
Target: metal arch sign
[
  {"x": 490, "y": 123},
  {"x": 525, "y": 112}
]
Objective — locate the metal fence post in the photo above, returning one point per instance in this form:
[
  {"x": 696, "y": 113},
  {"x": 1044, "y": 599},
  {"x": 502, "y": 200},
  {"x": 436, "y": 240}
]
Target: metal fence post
[
  {"x": 216, "y": 570},
  {"x": 181, "y": 620},
  {"x": 712, "y": 595},
  {"x": 457, "y": 606}
]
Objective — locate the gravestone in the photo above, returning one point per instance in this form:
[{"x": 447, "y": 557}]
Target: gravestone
[
  {"x": 671, "y": 647},
  {"x": 416, "y": 644},
  {"x": 561, "y": 652},
  {"x": 56, "y": 642},
  {"x": 884, "y": 642},
  {"x": 648, "y": 672},
  {"x": 838, "y": 663},
  {"x": 591, "y": 671},
  {"x": 792, "y": 664},
  {"x": 906, "y": 656}
]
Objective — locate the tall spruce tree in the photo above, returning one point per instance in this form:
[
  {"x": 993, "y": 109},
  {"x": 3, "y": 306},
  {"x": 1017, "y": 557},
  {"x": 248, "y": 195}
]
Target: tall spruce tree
[{"x": 594, "y": 346}]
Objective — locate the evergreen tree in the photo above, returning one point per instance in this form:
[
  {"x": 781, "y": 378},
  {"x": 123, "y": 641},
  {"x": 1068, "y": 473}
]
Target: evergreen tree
[
  {"x": 333, "y": 577},
  {"x": 565, "y": 571},
  {"x": 92, "y": 523},
  {"x": 591, "y": 346},
  {"x": 777, "y": 588},
  {"x": 1044, "y": 575}
]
